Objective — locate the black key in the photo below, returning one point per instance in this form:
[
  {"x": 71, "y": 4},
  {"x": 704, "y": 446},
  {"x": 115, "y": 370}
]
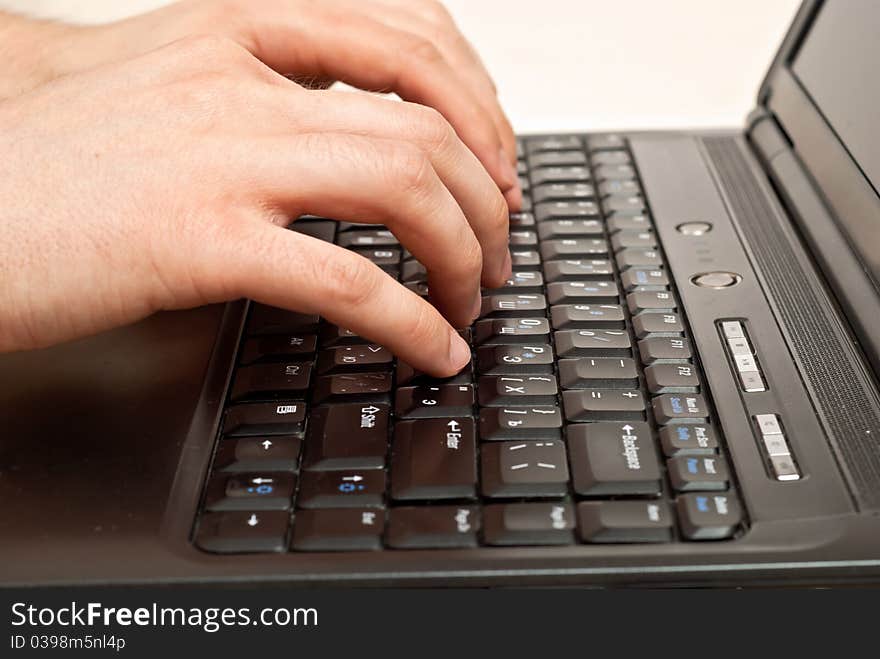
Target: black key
[
  {"x": 578, "y": 269},
  {"x": 612, "y": 142},
  {"x": 523, "y": 239},
  {"x": 516, "y": 358},
  {"x": 564, "y": 143},
  {"x": 633, "y": 257},
  {"x": 279, "y": 348},
  {"x": 367, "y": 239},
  {"x": 562, "y": 192},
  {"x": 592, "y": 343},
  {"x": 347, "y": 436},
  {"x": 614, "y": 172},
  {"x": 664, "y": 349},
  {"x": 526, "y": 206},
  {"x": 512, "y": 305},
  {"x": 587, "y": 316},
  {"x": 524, "y": 281},
  {"x": 434, "y": 527},
  {"x": 341, "y": 489},
  {"x": 500, "y": 390},
  {"x": 613, "y": 459},
  {"x": 432, "y": 401},
  {"x": 270, "y": 490},
  {"x": 333, "y": 335},
  {"x": 528, "y": 524},
  {"x": 565, "y": 248},
  {"x": 619, "y": 188},
  {"x": 669, "y": 408},
  {"x": 697, "y": 473},
  {"x": 671, "y": 378},
  {"x": 387, "y": 259},
  {"x": 572, "y": 174},
  {"x": 345, "y": 359},
  {"x": 413, "y": 271},
  {"x": 590, "y": 292},
  {"x": 627, "y": 222},
  {"x": 643, "y": 239},
  {"x": 434, "y": 459},
  {"x": 624, "y": 521},
  {"x": 321, "y": 229},
  {"x": 278, "y": 418},
  {"x": 521, "y": 221},
  {"x": 511, "y": 330},
  {"x": 639, "y": 301},
  {"x": 524, "y": 469},
  {"x": 515, "y": 422},
  {"x": 598, "y": 373},
  {"x": 521, "y": 167},
  {"x": 276, "y": 380},
  {"x": 634, "y": 205},
  {"x": 618, "y": 157},
  {"x": 355, "y": 529},
  {"x": 243, "y": 532},
  {"x": 276, "y": 453},
  {"x": 353, "y": 387},
  {"x": 644, "y": 279},
  {"x": 524, "y": 184},
  {"x": 709, "y": 516},
  {"x": 270, "y": 320},
  {"x": 566, "y": 210},
  {"x": 420, "y": 288},
  {"x": 577, "y": 228},
  {"x": 556, "y": 159},
  {"x": 407, "y": 375},
  {"x": 604, "y": 405},
  {"x": 657, "y": 324},
  {"x": 688, "y": 439},
  {"x": 354, "y": 226},
  {"x": 525, "y": 258}
]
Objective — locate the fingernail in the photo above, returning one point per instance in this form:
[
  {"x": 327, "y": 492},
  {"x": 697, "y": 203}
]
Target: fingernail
[
  {"x": 509, "y": 177},
  {"x": 507, "y": 268},
  {"x": 459, "y": 351}
]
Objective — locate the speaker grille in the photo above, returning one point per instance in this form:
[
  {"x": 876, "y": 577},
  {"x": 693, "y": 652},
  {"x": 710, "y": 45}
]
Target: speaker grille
[{"x": 845, "y": 399}]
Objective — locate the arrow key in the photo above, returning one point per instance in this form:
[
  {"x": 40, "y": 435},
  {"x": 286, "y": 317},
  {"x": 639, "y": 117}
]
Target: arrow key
[
  {"x": 251, "y": 491},
  {"x": 341, "y": 489},
  {"x": 258, "y": 454},
  {"x": 243, "y": 532}
]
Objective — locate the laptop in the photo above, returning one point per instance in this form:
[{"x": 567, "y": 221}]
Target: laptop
[{"x": 677, "y": 386}]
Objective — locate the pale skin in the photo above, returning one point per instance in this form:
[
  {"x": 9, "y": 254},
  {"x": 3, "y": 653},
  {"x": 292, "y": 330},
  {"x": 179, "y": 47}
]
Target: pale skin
[{"x": 153, "y": 164}]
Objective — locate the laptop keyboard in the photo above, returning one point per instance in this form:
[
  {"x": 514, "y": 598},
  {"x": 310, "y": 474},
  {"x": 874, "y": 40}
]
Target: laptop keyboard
[{"x": 583, "y": 417}]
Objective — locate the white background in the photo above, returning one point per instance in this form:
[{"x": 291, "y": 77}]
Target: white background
[{"x": 591, "y": 64}]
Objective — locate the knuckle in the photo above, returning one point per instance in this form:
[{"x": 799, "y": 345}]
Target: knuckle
[
  {"x": 411, "y": 171},
  {"x": 212, "y": 52},
  {"x": 421, "y": 49},
  {"x": 437, "y": 133},
  {"x": 348, "y": 279}
]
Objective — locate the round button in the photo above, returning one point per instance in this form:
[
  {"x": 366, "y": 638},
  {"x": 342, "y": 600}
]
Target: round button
[
  {"x": 716, "y": 279},
  {"x": 694, "y": 228}
]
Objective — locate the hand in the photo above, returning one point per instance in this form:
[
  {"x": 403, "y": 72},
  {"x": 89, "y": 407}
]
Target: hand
[
  {"x": 165, "y": 182},
  {"x": 411, "y": 47}
]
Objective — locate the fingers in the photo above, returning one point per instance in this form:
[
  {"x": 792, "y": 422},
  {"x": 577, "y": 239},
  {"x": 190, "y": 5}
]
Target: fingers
[
  {"x": 461, "y": 172},
  {"x": 289, "y": 270},
  {"x": 331, "y": 43},
  {"x": 364, "y": 179}
]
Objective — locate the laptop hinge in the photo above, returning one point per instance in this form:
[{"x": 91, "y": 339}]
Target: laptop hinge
[{"x": 850, "y": 283}]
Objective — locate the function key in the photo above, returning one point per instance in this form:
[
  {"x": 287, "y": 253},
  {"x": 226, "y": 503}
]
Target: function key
[
  {"x": 562, "y": 192},
  {"x": 431, "y": 401},
  {"x": 603, "y": 405},
  {"x": 514, "y": 422},
  {"x": 434, "y": 459},
  {"x": 562, "y": 210},
  {"x": 524, "y": 469},
  {"x": 573, "y": 247},
  {"x": 627, "y": 222},
  {"x": 644, "y": 279},
  {"x": 280, "y": 348},
  {"x": 584, "y": 316},
  {"x": 341, "y": 489},
  {"x": 528, "y": 524},
  {"x": 433, "y": 527},
  {"x": 563, "y": 143},
  {"x": 592, "y": 343},
  {"x": 274, "y": 380},
  {"x": 243, "y": 532},
  {"x": 510, "y": 330},
  {"x": 709, "y": 516},
  {"x": 556, "y": 159},
  {"x": 609, "y": 157},
  {"x": 278, "y": 418},
  {"x": 355, "y": 529},
  {"x": 500, "y": 390},
  {"x": 672, "y": 378},
  {"x": 275, "y": 453},
  {"x": 657, "y": 324},
  {"x": 624, "y": 521},
  {"x": 605, "y": 143},
  {"x": 614, "y": 172},
  {"x": 598, "y": 373},
  {"x": 669, "y": 408},
  {"x": 573, "y": 292},
  {"x": 664, "y": 349},
  {"x": 613, "y": 459},
  {"x": 633, "y": 257},
  {"x": 352, "y": 387},
  {"x": 575, "y": 174},
  {"x": 688, "y": 439},
  {"x": 578, "y": 269},
  {"x": 251, "y": 491},
  {"x": 512, "y": 305},
  {"x": 624, "y": 205},
  {"x": 642, "y": 239},
  {"x": 639, "y": 301},
  {"x": 504, "y": 359},
  {"x": 619, "y": 188},
  {"x": 347, "y": 436}
]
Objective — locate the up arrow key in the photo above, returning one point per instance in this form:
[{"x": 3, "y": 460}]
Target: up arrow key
[
  {"x": 628, "y": 428},
  {"x": 266, "y": 445},
  {"x": 253, "y": 521}
]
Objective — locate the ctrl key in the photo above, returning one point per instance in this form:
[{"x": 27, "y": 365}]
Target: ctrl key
[
  {"x": 243, "y": 532},
  {"x": 708, "y": 516}
]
